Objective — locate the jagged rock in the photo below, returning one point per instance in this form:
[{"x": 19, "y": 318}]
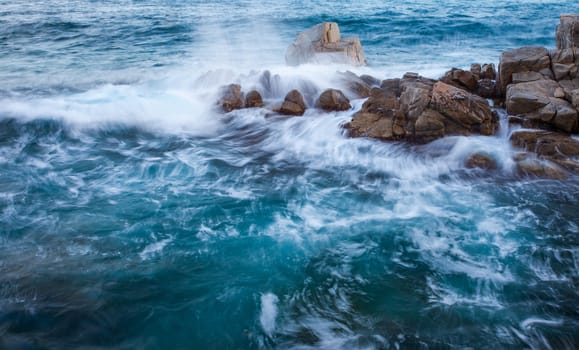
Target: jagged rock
[
  {"x": 392, "y": 85},
  {"x": 465, "y": 109},
  {"x": 333, "y": 100},
  {"x": 524, "y": 59},
  {"x": 480, "y": 160},
  {"x": 461, "y": 79},
  {"x": 293, "y": 104},
  {"x": 370, "y": 80},
  {"x": 253, "y": 99},
  {"x": 415, "y": 96},
  {"x": 231, "y": 97},
  {"x": 322, "y": 44},
  {"x": 567, "y": 35},
  {"x": 356, "y": 87},
  {"x": 488, "y": 71}
]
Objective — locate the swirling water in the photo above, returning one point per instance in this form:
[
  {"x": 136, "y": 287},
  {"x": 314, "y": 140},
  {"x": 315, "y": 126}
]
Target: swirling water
[{"x": 133, "y": 216}]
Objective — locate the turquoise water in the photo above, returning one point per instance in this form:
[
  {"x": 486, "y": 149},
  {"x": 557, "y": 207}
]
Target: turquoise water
[{"x": 133, "y": 216}]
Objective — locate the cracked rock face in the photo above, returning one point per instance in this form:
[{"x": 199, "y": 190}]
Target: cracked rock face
[{"x": 322, "y": 44}]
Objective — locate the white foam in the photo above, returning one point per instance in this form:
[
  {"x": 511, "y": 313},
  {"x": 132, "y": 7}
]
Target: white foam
[
  {"x": 268, "y": 314},
  {"x": 154, "y": 248}
]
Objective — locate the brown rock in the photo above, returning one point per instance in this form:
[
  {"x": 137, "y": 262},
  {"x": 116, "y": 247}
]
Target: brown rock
[
  {"x": 460, "y": 78},
  {"x": 231, "y": 98},
  {"x": 253, "y": 99},
  {"x": 546, "y": 143},
  {"x": 322, "y": 44},
  {"x": 528, "y": 58},
  {"x": 481, "y": 161},
  {"x": 466, "y": 109},
  {"x": 333, "y": 100},
  {"x": 371, "y": 125},
  {"x": 370, "y": 80},
  {"x": 293, "y": 104},
  {"x": 568, "y": 31},
  {"x": 488, "y": 71},
  {"x": 543, "y": 169},
  {"x": 566, "y": 115},
  {"x": 429, "y": 126},
  {"x": 486, "y": 88},
  {"x": 476, "y": 69},
  {"x": 525, "y": 77}
]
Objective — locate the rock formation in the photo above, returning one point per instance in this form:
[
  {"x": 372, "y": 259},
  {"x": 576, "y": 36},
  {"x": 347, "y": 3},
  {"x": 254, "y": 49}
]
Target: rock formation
[
  {"x": 322, "y": 44},
  {"x": 333, "y": 100},
  {"x": 568, "y": 32},
  {"x": 293, "y": 104},
  {"x": 231, "y": 98}
]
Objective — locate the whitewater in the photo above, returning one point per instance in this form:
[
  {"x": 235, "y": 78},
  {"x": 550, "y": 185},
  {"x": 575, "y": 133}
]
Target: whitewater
[{"x": 135, "y": 215}]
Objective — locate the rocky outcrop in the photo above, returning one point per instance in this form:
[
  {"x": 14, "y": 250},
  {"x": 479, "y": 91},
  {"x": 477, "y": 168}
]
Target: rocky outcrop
[
  {"x": 231, "y": 98},
  {"x": 333, "y": 100},
  {"x": 524, "y": 59},
  {"x": 293, "y": 104},
  {"x": 421, "y": 110},
  {"x": 356, "y": 87},
  {"x": 322, "y": 44},
  {"x": 567, "y": 35}
]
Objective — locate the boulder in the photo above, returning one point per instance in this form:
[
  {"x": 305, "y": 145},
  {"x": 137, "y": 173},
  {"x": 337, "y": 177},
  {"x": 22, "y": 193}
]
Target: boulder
[
  {"x": 567, "y": 35},
  {"x": 476, "y": 70},
  {"x": 461, "y": 78},
  {"x": 480, "y": 160},
  {"x": 372, "y": 125},
  {"x": 322, "y": 44},
  {"x": 429, "y": 126},
  {"x": 488, "y": 71},
  {"x": 486, "y": 88},
  {"x": 525, "y": 77},
  {"x": 524, "y": 59},
  {"x": 544, "y": 169},
  {"x": 231, "y": 97},
  {"x": 471, "y": 112},
  {"x": 333, "y": 100},
  {"x": 253, "y": 99},
  {"x": 293, "y": 104},
  {"x": 563, "y": 64}
]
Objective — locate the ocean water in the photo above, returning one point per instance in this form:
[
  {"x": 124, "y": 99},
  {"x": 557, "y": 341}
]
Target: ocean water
[{"x": 134, "y": 216}]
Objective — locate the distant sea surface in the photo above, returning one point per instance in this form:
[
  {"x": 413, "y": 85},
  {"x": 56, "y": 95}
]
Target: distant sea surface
[{"x": 133, "y": 215}]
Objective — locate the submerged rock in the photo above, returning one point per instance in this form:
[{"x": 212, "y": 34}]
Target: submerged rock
[
  {"x": 481, "y": 160},
  {"x": 293, "y": 104},
  {"x": 322, "y": 44},
  {"x": 333, "y": 100}
]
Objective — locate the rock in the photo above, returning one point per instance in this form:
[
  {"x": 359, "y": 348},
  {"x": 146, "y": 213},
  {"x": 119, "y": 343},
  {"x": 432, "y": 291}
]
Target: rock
[
  {"x": 563, "y": 64},
  {"x": 333, "y": 100},
  {"x": 370, "y": 80},
  {"x": 391, "y": 85},
  {"x": 525, "y": 77},
  {"x": 547, "y": 144},
  {"x": 293, "y": 104},
  {"x": 567, "y": 35},
  {"x": 356, "y": 87},
  {"x": 488, "y": 71},
  {"x": 415, "y": 96},
  {"x": 231, "y": 97},
  {"x": 465, "y": 109},
  {"x": 371, "y": 125},
  {"x": 253, "y": 99},
  {"x": 481, "y": 160},
  {"x": 540, "y": 168},
  {"x": 565, "y": 116},
  {"x": 429, "y": 126},
  {"x": 486, "y": 88},
  {"x": 476, "y": 69},
  {"x": 322, "y": 44},
  {"x": 461, "y": 79},
  {"x": 528, "y": 58}
]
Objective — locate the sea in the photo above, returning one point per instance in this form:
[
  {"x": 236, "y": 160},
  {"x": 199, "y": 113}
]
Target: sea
[{"x": 135, "y": 215}]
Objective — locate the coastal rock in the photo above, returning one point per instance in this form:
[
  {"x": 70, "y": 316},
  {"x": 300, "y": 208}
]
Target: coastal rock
[
  {"x": 486, "y": 88},
  {"x": 554, "y": 147},
  {"x": 355, "y": 86},
  {"x": 333, "y": 100},
  {"x": 460, "y": 78},
  {"x": 537, "y": 101},
  {"x": 563, "y": 64},
  {"x": 293, "y": 104},
  {"x": 371, "y": 125},
  {"x": 322, "y": 44},
  {"x": 429, "y": 126},
  {"x": 480, "y": 160},
  {"x": 488, "y": 71},
  {"x": 231, "y": 98},
  {"x": 476, "y": 70},
  {"x": 567, "y": 35},
  {"x": 377, "y": 117},
  {"x": 524, "y": 59},
  {"x": 544, "y": 169},
  {"x": 465, "y": 109},
  {"x": 253, "y": 99}
]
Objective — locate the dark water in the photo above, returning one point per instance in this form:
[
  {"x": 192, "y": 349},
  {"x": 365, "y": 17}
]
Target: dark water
[{"x": 132, "y": 216}]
